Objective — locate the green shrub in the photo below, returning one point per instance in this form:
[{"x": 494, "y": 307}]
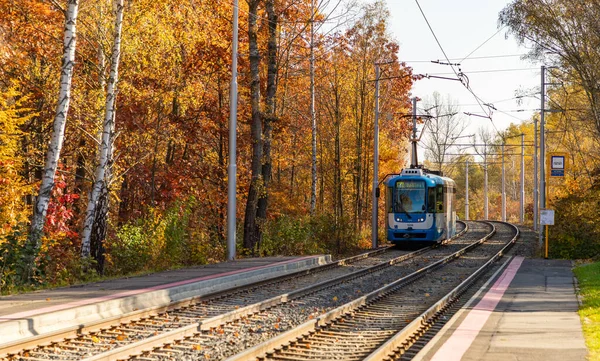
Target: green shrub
[
  {"x": 155, "y": 242},
  {"x": 131, "y": 250},
  {"x": 176, "y": 221},
  {"x": 11, "y": 252},
  {"x": 288, "y": 236},
  {"x": 576, "y": 232}
]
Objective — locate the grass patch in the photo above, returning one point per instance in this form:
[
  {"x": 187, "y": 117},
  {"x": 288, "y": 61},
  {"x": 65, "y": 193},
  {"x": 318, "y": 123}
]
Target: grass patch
[{"x": 589, "y": 283}]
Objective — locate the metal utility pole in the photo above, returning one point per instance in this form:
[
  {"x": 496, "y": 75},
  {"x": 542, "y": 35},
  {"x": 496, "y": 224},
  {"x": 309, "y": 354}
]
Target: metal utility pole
[
  {"x": 467, "y": 190},
  {"x": 503, "y": 186},
  {"x": 232, "y": 168},
  {"x": 522, "y": 205},
  {"x": 313, "y": 186},
  {"x": 542, "y": 153},
  {"x": 414, "y": 160},
  {"x": 485, "y": 187},
  {"x": 535, "y": 176},
  {"x": 374, "y": 218}
]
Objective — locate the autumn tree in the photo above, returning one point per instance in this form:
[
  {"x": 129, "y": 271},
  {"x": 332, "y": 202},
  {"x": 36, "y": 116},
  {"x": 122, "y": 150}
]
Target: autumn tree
[
  {"x": 153, "y": 174},
  {"x": 566, "y": 32},
  {"x": 55, "y": 146},
  {"x": 95, "y": 214},
  {"x": 13, "y": 187}
]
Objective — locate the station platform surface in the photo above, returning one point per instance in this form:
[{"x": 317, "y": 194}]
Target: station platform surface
[
  {"x": 528, "y": 311},
  {"x": 47, "y": 311}
]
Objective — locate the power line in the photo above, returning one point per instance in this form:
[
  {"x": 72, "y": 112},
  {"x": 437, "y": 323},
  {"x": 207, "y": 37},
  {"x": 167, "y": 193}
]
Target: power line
[
  {"x": 493, "y": 71},
  {"x": 454, "y": 70},
  {"x": 498, "y": 101},
  {"x": 471, "y": 58},
  {"x": 516, "y": 110},
  {"x": 482, "y": 44},
  {"x": 435, "y": 37}
]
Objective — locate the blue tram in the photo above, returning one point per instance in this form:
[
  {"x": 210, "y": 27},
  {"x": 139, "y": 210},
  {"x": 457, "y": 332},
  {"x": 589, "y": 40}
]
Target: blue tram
[{"x": 420, "y": 207}]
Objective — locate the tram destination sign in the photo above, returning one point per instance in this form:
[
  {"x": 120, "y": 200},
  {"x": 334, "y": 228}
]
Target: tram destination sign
[{"x": 410, "y": 184}]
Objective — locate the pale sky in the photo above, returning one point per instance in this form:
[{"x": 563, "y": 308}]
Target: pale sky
[{"x": 461, "y": 26}]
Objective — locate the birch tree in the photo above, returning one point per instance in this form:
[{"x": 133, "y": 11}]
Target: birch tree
[
  {"x": 108, "y": 129},
  {"x": 56, "y": 142}
]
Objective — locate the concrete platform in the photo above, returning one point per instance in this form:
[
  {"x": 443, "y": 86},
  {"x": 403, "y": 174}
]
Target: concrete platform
[
  {"x": 528, "y": 311},
  {"x": 45, "y": 312}
]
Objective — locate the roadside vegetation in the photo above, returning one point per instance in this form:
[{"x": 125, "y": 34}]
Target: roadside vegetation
[
  {"x": 588, "y": 276},
  {"x": 129, "y": 174}
]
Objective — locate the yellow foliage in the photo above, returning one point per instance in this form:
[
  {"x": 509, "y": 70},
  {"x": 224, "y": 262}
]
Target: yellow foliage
[{"x": 13, "y": 187}]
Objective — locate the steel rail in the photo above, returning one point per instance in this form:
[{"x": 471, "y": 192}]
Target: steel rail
[
  {"x": 95, "y": 326},
  {"x": 216, "y": 321},
  {"x": 312, "y": 326},
  {"x": 409, "y": 334}
]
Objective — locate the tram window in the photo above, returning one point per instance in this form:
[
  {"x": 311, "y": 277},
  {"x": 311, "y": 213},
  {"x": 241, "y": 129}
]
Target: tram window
[
  {"x": 439, "y": 201},
  {"x": 431, "y": 200}
]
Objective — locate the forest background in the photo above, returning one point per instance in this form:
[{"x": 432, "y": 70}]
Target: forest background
[{"x": 131, "y": 155}]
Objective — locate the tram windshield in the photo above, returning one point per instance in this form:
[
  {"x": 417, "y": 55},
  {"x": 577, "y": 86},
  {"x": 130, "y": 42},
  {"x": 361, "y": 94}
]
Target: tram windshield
[{"x": 409, "y": 196}]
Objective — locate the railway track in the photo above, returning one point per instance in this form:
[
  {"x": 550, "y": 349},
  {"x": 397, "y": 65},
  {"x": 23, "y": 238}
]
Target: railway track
[
  {"x": 131, "y": 337},
  {"x": 386, "y": 322}
]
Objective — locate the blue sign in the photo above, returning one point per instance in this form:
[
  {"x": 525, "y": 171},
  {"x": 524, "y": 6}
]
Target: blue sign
[{"x": 557, "y": 166}]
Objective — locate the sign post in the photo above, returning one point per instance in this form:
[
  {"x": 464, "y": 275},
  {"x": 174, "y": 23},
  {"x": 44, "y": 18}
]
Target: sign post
[
  {"x": 546, "y": 219},
  {"x": 557, "y": 164}
]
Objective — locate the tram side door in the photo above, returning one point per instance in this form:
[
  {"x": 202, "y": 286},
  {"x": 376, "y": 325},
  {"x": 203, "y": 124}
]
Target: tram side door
[{"x": 440, "y": 215}]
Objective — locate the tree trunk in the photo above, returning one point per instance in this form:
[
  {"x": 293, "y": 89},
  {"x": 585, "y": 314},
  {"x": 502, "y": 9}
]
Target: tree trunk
[
  {"x": 55, "y": 146},
  {"x": 107, "y": 135},
  {"x": 155, "y": 152},
  {"x": 338, "y": 205},
  {"x": 251, "y": 231},
  {"x": 99, "y": 227},
  {"x": 270, "y": 115}
]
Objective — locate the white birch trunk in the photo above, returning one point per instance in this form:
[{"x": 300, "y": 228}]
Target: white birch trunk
[
  {"x": 56, "y": 142},
  {"x": 107, "y": 133}
]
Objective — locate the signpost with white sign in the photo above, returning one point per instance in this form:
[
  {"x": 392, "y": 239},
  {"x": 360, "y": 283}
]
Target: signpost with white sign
[
  {"x": 547, "y": 217},
  {"x": 557, "y": 163},
  {"x": 557, "y": 166}
]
